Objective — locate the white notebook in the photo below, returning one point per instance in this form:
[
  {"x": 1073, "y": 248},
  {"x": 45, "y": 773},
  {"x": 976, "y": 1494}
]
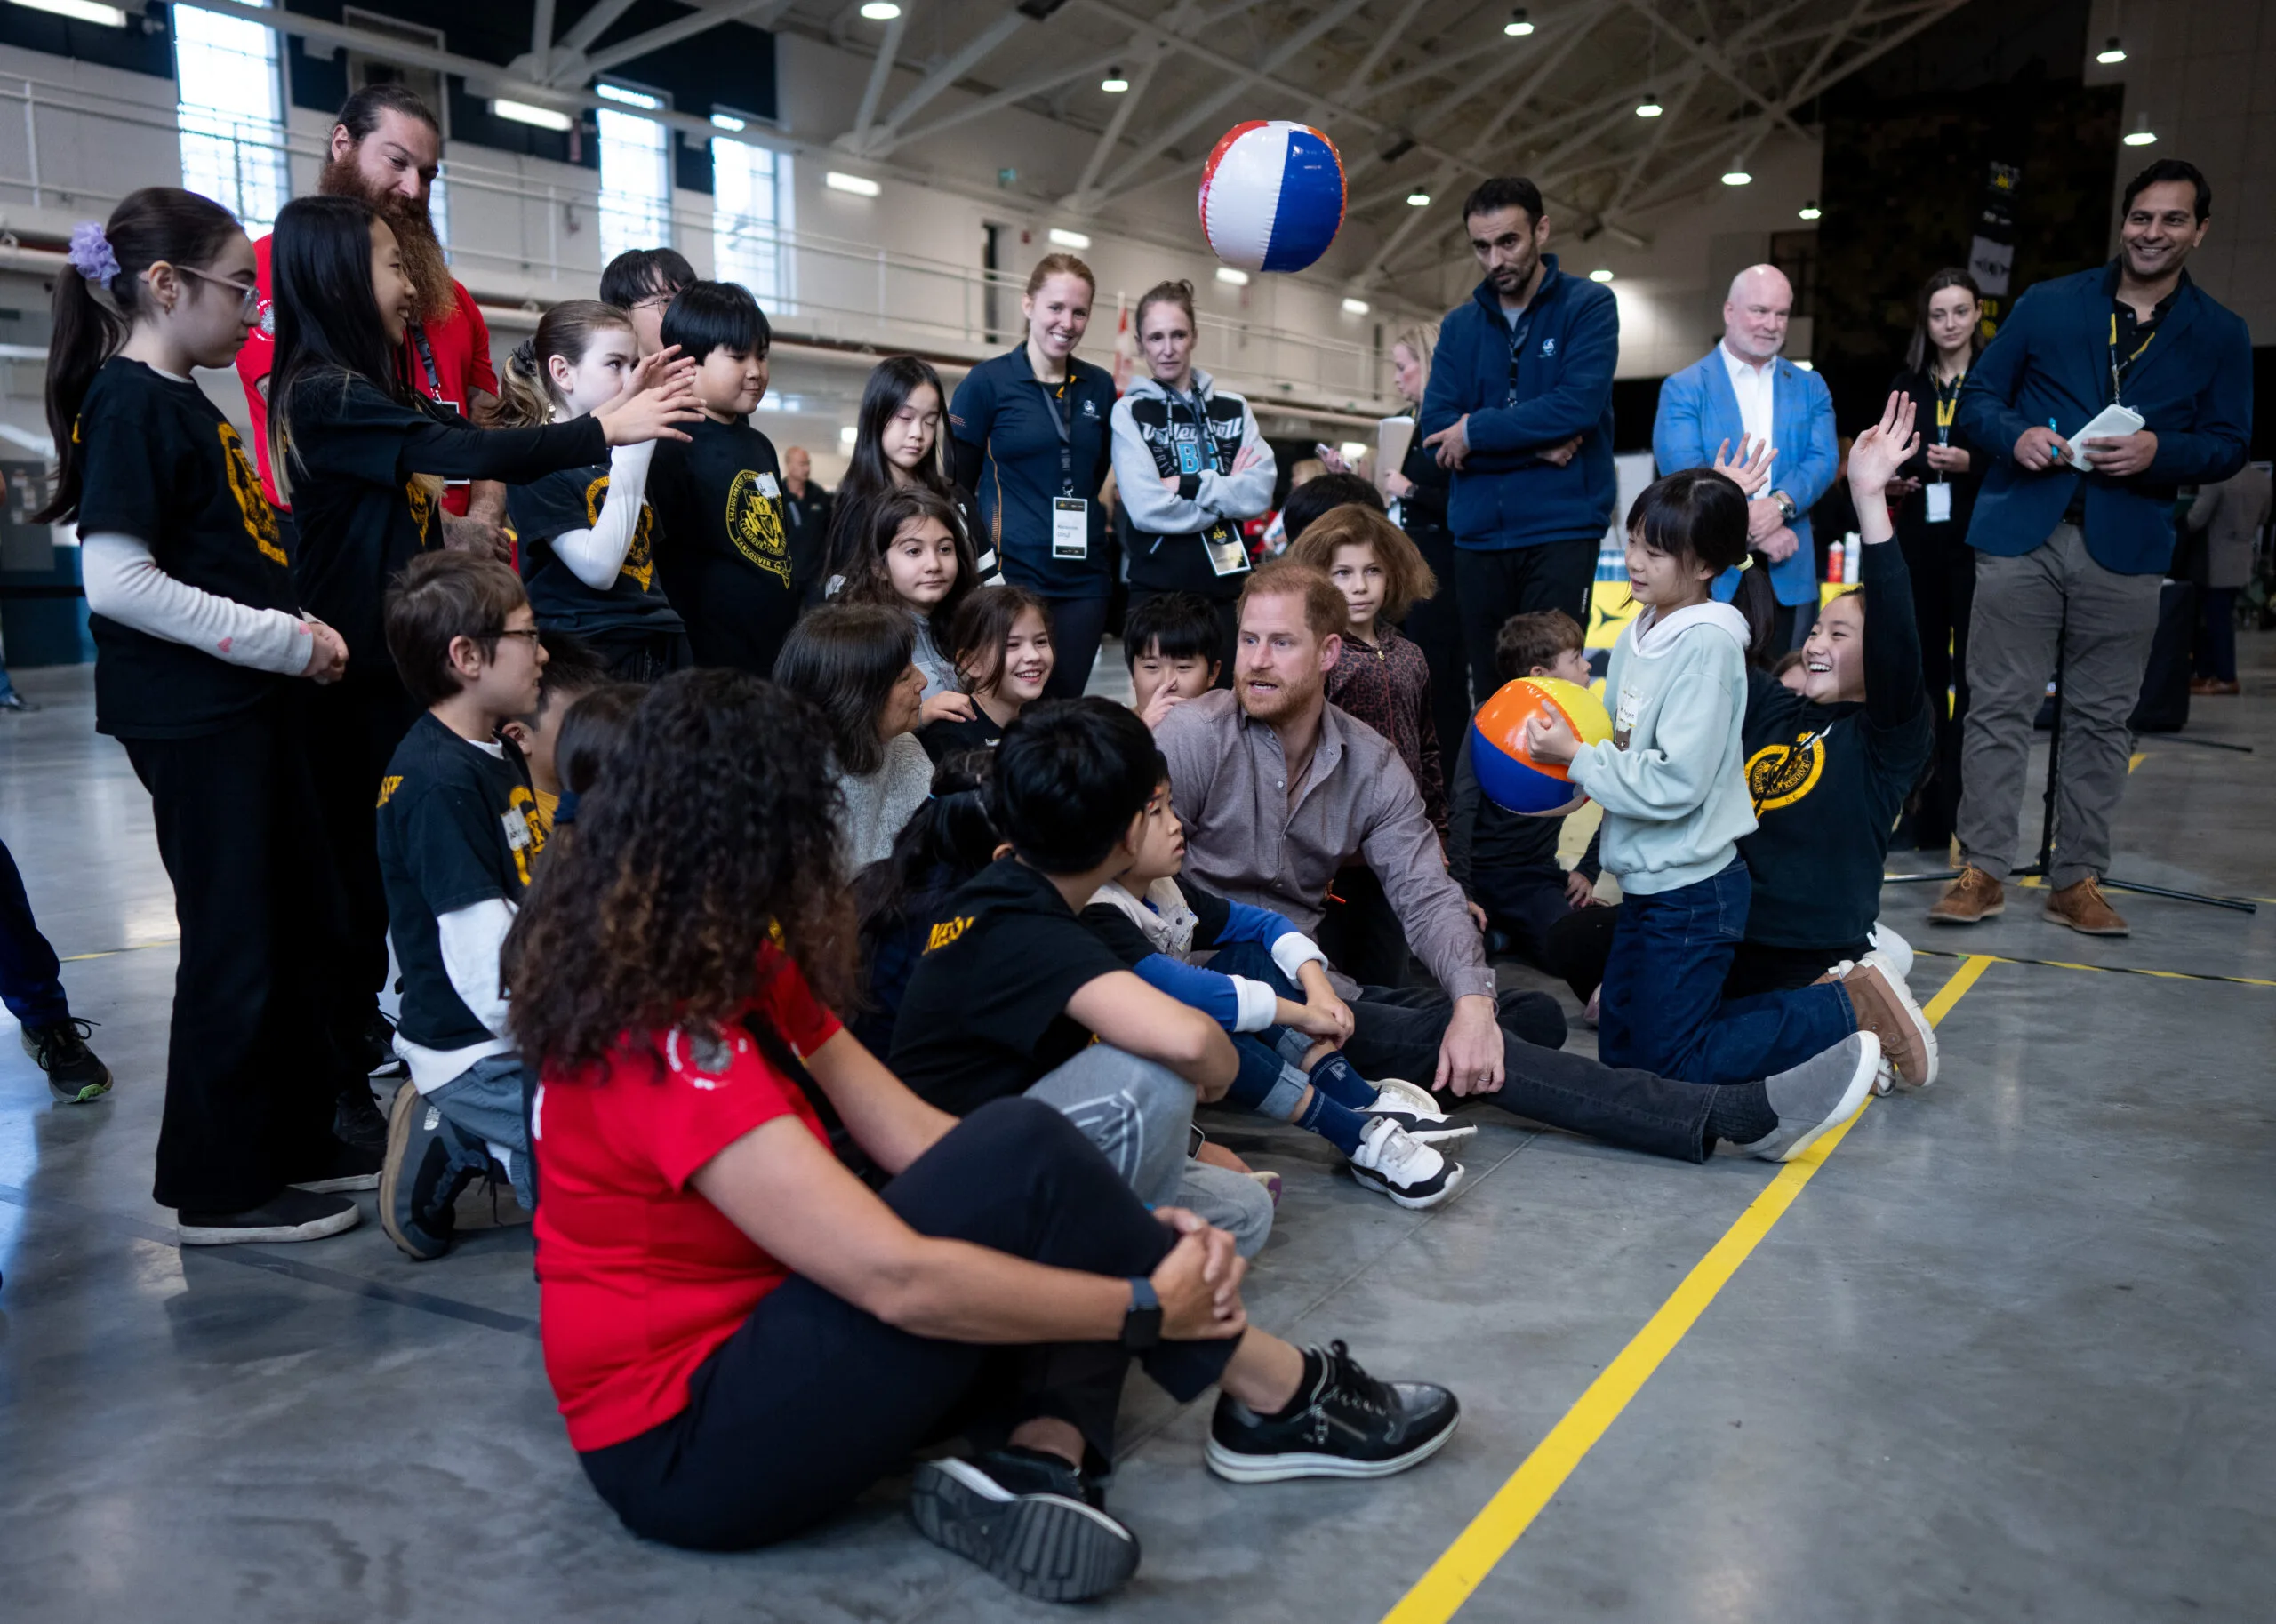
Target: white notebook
[{"x": 2110, "y": 423}]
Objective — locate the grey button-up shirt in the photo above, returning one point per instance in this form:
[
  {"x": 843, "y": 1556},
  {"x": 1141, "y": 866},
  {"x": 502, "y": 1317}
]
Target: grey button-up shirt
[{"x": 1246, "y": 840}]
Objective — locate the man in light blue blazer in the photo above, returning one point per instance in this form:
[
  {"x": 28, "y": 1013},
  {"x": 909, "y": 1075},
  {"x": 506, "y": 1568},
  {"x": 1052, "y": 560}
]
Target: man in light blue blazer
[{"x": 1744, "y": 387}]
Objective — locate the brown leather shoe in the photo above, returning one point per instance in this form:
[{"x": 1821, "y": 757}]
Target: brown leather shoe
[
  {"x": 1884, "y": 1006},
  {"x": 2213, "y": 685},
  {"x": 2083, "y": 907},
  {"x": 1974, "y": 895}
]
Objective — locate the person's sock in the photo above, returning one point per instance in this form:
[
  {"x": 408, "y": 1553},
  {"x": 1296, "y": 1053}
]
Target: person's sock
[
  {"x": 1336, "y": 1122},
  {"x": 1315, "y": 1372},
  {"x": 1335, "y": 1077},
  {"x": 1741, "y": 1112}
]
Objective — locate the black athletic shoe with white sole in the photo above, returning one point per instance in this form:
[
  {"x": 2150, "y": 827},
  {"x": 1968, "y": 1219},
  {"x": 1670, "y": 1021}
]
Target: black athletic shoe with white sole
[
  {"x": 421, "y": 1178},
  {"x": 59, "y": 1049},
  {"x": 1351, "y": 1425},
  {"x": 1027, "y": 1517},
  {"x": 289, "y": 1215}
]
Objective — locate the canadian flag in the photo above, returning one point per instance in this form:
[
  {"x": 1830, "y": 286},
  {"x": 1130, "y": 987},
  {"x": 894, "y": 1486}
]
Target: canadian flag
[{"x": 1126, "y": 344}]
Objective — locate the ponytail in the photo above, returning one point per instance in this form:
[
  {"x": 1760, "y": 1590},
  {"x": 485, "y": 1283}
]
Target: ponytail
[
  {"x": 526, "y": 396},
  {"x": 99, "y": 294}
]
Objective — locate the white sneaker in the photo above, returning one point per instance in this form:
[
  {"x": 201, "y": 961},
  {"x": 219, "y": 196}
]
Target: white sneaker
[
  {"x": 1893, "y": 947},
  {"x": 1416, "y": 1110},
  {"x": 1410, "y": 1173}
]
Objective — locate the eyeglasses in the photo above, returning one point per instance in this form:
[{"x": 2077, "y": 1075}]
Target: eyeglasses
[
  {"x": 531, "y": 632},
  {"x": 248, "y": 293}
]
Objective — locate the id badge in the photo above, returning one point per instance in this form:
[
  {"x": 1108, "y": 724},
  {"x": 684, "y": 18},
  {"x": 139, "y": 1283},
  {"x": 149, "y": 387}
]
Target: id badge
[
  {"x": 518, "y": 837},
  {"x": 768, "y": 488},
  {"x": 1071, "y": 527},
  {"x": 1227, "y": 555},
  {"x": 1940, "y": 503}
]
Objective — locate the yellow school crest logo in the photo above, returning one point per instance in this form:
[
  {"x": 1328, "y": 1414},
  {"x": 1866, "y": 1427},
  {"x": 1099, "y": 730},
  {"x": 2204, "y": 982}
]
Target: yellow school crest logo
[
  {"x": 252, "y": 504},
  {"x": 422, "y": 508},
  {"x": 754, "y": 526},
  {"x": 639, "y": 558},
  {"x": 1781, "y": 774}
]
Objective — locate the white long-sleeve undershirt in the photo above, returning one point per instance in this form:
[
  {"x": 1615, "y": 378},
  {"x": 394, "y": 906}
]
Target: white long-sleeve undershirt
[
  {"x": 124, "y": 583},
  {"x": 596, "y": 555},
  {"x": 471, "y": 939}
]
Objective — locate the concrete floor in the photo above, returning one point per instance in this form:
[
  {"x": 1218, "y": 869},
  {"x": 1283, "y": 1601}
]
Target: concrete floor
[{"x": 2009, "y": 1355}]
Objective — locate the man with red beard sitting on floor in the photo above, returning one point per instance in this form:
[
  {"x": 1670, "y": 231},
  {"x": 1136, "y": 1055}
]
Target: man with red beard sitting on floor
[{"x": 386, "y": 145}]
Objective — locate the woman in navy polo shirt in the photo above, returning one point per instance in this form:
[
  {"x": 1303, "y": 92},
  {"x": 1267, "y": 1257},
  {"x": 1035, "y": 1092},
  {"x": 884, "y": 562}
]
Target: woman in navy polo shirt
[{"x": 1030, "y": 434}]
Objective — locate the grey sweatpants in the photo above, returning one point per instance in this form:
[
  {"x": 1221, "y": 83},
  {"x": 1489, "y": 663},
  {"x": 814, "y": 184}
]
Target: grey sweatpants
[
  {"x": 1140, "y": 1114},
  {"x": 2105, "y": 622}
]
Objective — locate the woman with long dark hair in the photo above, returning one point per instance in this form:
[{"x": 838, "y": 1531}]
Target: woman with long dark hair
[
  {"x": 897, "y": 444},
  {"x": 199, "y": 637},
  {"x": 1934, "y": 499},
  {"x": 1030, "y": 433},
  {"x": 357, "y": 452},
  {"x": 851, "y": 662},
  {"x": 743, "y": 1337},
  {"x": 915, "y": 559}
]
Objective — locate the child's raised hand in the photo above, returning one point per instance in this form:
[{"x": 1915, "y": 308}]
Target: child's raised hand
[
  {"x": 652, "y": 413},
  {"x": 1549, "y": 740},
  {"x": 944, "y": 708},
  {"x": 1165, "y": 701},
  {"x": 1750, "y": 471},
  {"x": 1876, "y": 454}
]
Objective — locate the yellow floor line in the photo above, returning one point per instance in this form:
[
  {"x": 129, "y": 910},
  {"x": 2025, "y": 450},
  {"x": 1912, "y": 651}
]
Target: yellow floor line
[
  {"x": 1440, "y": 1592},
  {"x": 2058, "y": 964},
  {"x": 73, "y": 958},
  {"x": 2135, "y": 760}
]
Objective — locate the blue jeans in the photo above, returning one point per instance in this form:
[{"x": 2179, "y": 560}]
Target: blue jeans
[
  {"x": 29, "y": 976},
  {"x": 487, "y": 1107},
  {"x": 1660, "y": 1006}
]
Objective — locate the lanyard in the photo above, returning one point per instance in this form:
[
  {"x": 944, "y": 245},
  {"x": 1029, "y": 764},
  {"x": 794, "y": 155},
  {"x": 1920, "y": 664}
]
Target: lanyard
[
  {"x": 1064, "y": 422},
  {"x": 426, "y": 359},
  {"x": 1947, "y": 407},
  {"x": 2118, "y": 369},
  {"x": 1518, "y": 329}
]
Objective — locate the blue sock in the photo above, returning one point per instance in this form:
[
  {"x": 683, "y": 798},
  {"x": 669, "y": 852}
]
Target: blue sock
[
  {"x": 1334, "y": 1077},
  {"x": 1336, "y": 1123}
]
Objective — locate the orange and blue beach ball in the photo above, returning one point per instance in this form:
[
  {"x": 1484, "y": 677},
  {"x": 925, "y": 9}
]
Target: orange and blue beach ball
[{"x": 1510, "y": 777}]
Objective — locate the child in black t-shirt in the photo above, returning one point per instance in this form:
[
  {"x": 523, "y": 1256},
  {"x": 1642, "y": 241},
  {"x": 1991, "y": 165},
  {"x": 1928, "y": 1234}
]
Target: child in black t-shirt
[
  {"x": 357, "y": 450},
  {"x": 458, "y": 838},
  {"x": 1000, "y": 641},
  {"x": 588, "y": 534},
  {"x": 723, "y": 550},
  {"x": 1506, "y": 862},
  {"x": 1170, "y": 644},
  {"x": 1016, "y": 995},
  {"x": 572, "y": 671},
  {"x": 199, "y": 636}
]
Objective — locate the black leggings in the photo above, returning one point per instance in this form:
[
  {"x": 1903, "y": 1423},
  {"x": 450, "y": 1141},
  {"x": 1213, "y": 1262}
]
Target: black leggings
[
  {"x": 813, "y": 1400},
  {"x": 1076, "y": 625}
]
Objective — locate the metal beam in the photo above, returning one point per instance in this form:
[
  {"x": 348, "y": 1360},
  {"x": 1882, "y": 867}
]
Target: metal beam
[
  {"x": 1654, "y": 141},
  {"x": 969, "y": 56},
  {"x": 1010, "y": 96},
  {"x": 1081, "y": 198},
  {"x": 1394, "y": 32},
  {"x": 1201, "y": 111},
  {"x": 678, "y": 29},
  {"x": 1718, "y": 64},
  {"x": 590, "y": 26},
  {"x": 542, "y": 35},
  {"x": 881, "y": 71}
]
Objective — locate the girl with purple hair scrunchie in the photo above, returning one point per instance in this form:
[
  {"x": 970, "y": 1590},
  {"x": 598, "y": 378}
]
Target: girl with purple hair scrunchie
[{"x": 90, "y": 254}]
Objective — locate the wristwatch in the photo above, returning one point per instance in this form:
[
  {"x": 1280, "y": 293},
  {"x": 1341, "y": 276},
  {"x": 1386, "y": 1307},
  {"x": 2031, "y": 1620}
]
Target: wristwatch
[
  {"x": 1785, "y": 505},
  {"x": 1142, "y": 1323}
]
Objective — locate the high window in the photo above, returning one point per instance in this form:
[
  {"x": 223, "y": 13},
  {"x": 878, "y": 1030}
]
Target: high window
[
  {"x": 636, "y": 173},
  {"x": 232, "y": 113},
  {"x": 750, "y": 187}
]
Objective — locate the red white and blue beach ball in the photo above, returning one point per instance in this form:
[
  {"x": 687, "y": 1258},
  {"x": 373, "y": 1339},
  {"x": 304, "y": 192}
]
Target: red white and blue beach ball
[{"x": 1271, "y": 196}]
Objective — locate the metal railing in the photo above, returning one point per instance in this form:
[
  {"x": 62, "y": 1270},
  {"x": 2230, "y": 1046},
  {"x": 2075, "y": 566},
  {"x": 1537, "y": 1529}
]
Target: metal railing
[{"x": 514, "y": 239}]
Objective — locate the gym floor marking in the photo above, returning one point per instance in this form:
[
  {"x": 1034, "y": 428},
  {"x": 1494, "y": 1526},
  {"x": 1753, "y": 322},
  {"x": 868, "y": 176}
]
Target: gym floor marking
[
  {"x": 1441, "y": 1591},
  {"x": 76, "y": 958},
  {"x": 2058, "y": 964}
]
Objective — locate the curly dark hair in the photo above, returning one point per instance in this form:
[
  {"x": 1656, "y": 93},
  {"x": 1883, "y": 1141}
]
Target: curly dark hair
[{"x": 715, "y": 832}]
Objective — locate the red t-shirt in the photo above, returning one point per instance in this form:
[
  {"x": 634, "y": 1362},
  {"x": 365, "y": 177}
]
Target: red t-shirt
[
  {"x": 460, "y": 344},
  {"x": 640, "y": 1276}
]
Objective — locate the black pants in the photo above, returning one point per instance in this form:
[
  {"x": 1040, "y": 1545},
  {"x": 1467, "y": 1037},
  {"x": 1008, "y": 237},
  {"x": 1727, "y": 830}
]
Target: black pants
[
  {"x": 31, "y": 985},
  {"x": 1434, "y": 626},
  {"x": 1228, "y": 612},
  {"x": 1360, "y": 932},
  {"x": 1525, "y": 903},
  {"x": 1076, "y": 625},
  {"x": 1942, "y": 567},
  {"x": 354, "y": 726},
  {"x": 1492, "y": 587},
  {"x": 812, "y": 1400},
  {"x": 263, "y": 1014},
  {"x": 1580, "y": 944}
]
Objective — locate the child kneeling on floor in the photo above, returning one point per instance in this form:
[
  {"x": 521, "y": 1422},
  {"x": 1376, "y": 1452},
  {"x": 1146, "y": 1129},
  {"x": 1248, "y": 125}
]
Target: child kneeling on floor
[
  {"x": 1675, "y": 799},
  {"x": 458, "y": 837}
]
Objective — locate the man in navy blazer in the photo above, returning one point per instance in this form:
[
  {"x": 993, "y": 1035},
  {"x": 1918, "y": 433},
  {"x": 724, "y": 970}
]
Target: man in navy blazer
[
  {"x": 1701, "y": 409},
  {"x": 2076, "y": 558},
  {"x": 1520, "y": 407}
]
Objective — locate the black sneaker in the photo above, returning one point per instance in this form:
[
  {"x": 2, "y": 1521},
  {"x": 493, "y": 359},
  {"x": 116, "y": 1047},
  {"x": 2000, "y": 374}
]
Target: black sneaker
[
  {"x": 289, "y": 1215},
  {"x": 59, "y": 1049},
  {"x": 357, "y": 1120},
  {"x": 1351, "y": 1425},
  {"x": 346, "y": 1167},
  {"x": 1029, "y": 1518},
  {"x": 421, "y": 1177}
]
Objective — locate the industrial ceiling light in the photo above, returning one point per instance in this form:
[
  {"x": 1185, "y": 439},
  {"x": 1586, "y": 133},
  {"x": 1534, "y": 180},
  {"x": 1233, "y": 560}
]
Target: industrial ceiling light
[
  {"x": 729, "y": 123},
  {"x": 1649, "y": 107},
  {"x": 1736, "y": 175},
  {"x": 1519, "y": 26},
  {"x": 1355, "y": 306},
  {"x": 1418, "y": 198},
  {"x": 2141, "y": 134},
  {"x": 880, "y": 10},
  {"x": 1231, "y": 277},
  {"x": 1601, "y": 273},
  {"x": 78, "y": 11},
  {"x": 1810, "y": 211},
  {"x": 527, "y": 113},
  {"x": 2111, "y": 54},
  {"x": 860, "y": 186},
  {"x": 1115, "y": 82},
  {"x": 1067, "y": 239}
]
